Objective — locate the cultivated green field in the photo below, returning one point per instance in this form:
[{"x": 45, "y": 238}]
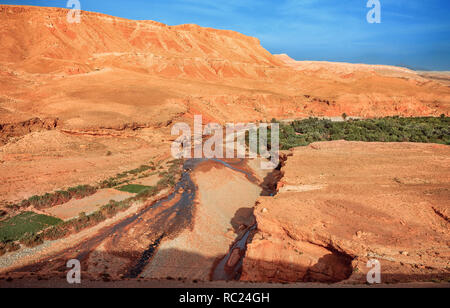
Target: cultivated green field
[
  {"x": 133, "y": 188},
  {"x": 16, "y": 227}
]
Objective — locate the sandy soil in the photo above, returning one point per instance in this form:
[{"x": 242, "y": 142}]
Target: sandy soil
[
  {"x": 87, "y": 205},
  {"x": 47, "y": 161},
  {"x": 148, "y": 181}
]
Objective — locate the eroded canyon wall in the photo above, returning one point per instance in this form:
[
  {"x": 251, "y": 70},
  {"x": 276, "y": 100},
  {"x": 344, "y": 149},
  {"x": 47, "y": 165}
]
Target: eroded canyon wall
[{"x": 341, "y": 203}]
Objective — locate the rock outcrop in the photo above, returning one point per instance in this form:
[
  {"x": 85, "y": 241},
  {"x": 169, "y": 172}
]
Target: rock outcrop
[
  {"x": 341, "y": 204},
  {"x": 8, "y": 131}
]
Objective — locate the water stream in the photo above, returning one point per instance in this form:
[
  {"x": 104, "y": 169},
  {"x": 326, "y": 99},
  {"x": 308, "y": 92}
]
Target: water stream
[
  {"x": 183, "y": 211},
  {"x": 230, "y": 267}
]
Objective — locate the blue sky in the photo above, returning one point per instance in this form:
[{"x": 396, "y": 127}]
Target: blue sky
[{"x": 413, "y": 33}]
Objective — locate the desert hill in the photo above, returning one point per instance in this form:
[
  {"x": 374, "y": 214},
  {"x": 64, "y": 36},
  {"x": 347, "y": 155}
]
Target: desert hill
[
  {"x": 340, "y": 68},
  {"x": 109, "y": 72}
]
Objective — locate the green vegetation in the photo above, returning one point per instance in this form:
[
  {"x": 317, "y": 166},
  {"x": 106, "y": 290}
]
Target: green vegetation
[
  {"x": 141, "y": 169},
  {"x": 60, "y": 197},
  {"x": 56, "y": 198},
  {"x": 148, "y": 193},
  {"x": 84, "y": 221},
  {"x": 109, "y": 210},
  {"x": 32, "y": 229},
  {"x": 123, "y": 177},
  {"x": 390, "y": 129},
  {"x": 8, "y": 247},
  {"x": 24, "y": 225},
  {"x": 31, "y": 239},
  {"x": 133, "y": 188},
  {"x": 168, "y": 178}
]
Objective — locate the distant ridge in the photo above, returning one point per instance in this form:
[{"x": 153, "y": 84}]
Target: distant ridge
[{"x": 113, "y": 73}]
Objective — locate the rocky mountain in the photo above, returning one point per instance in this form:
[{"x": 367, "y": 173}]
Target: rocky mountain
[{"x": 109, "y": 72}]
